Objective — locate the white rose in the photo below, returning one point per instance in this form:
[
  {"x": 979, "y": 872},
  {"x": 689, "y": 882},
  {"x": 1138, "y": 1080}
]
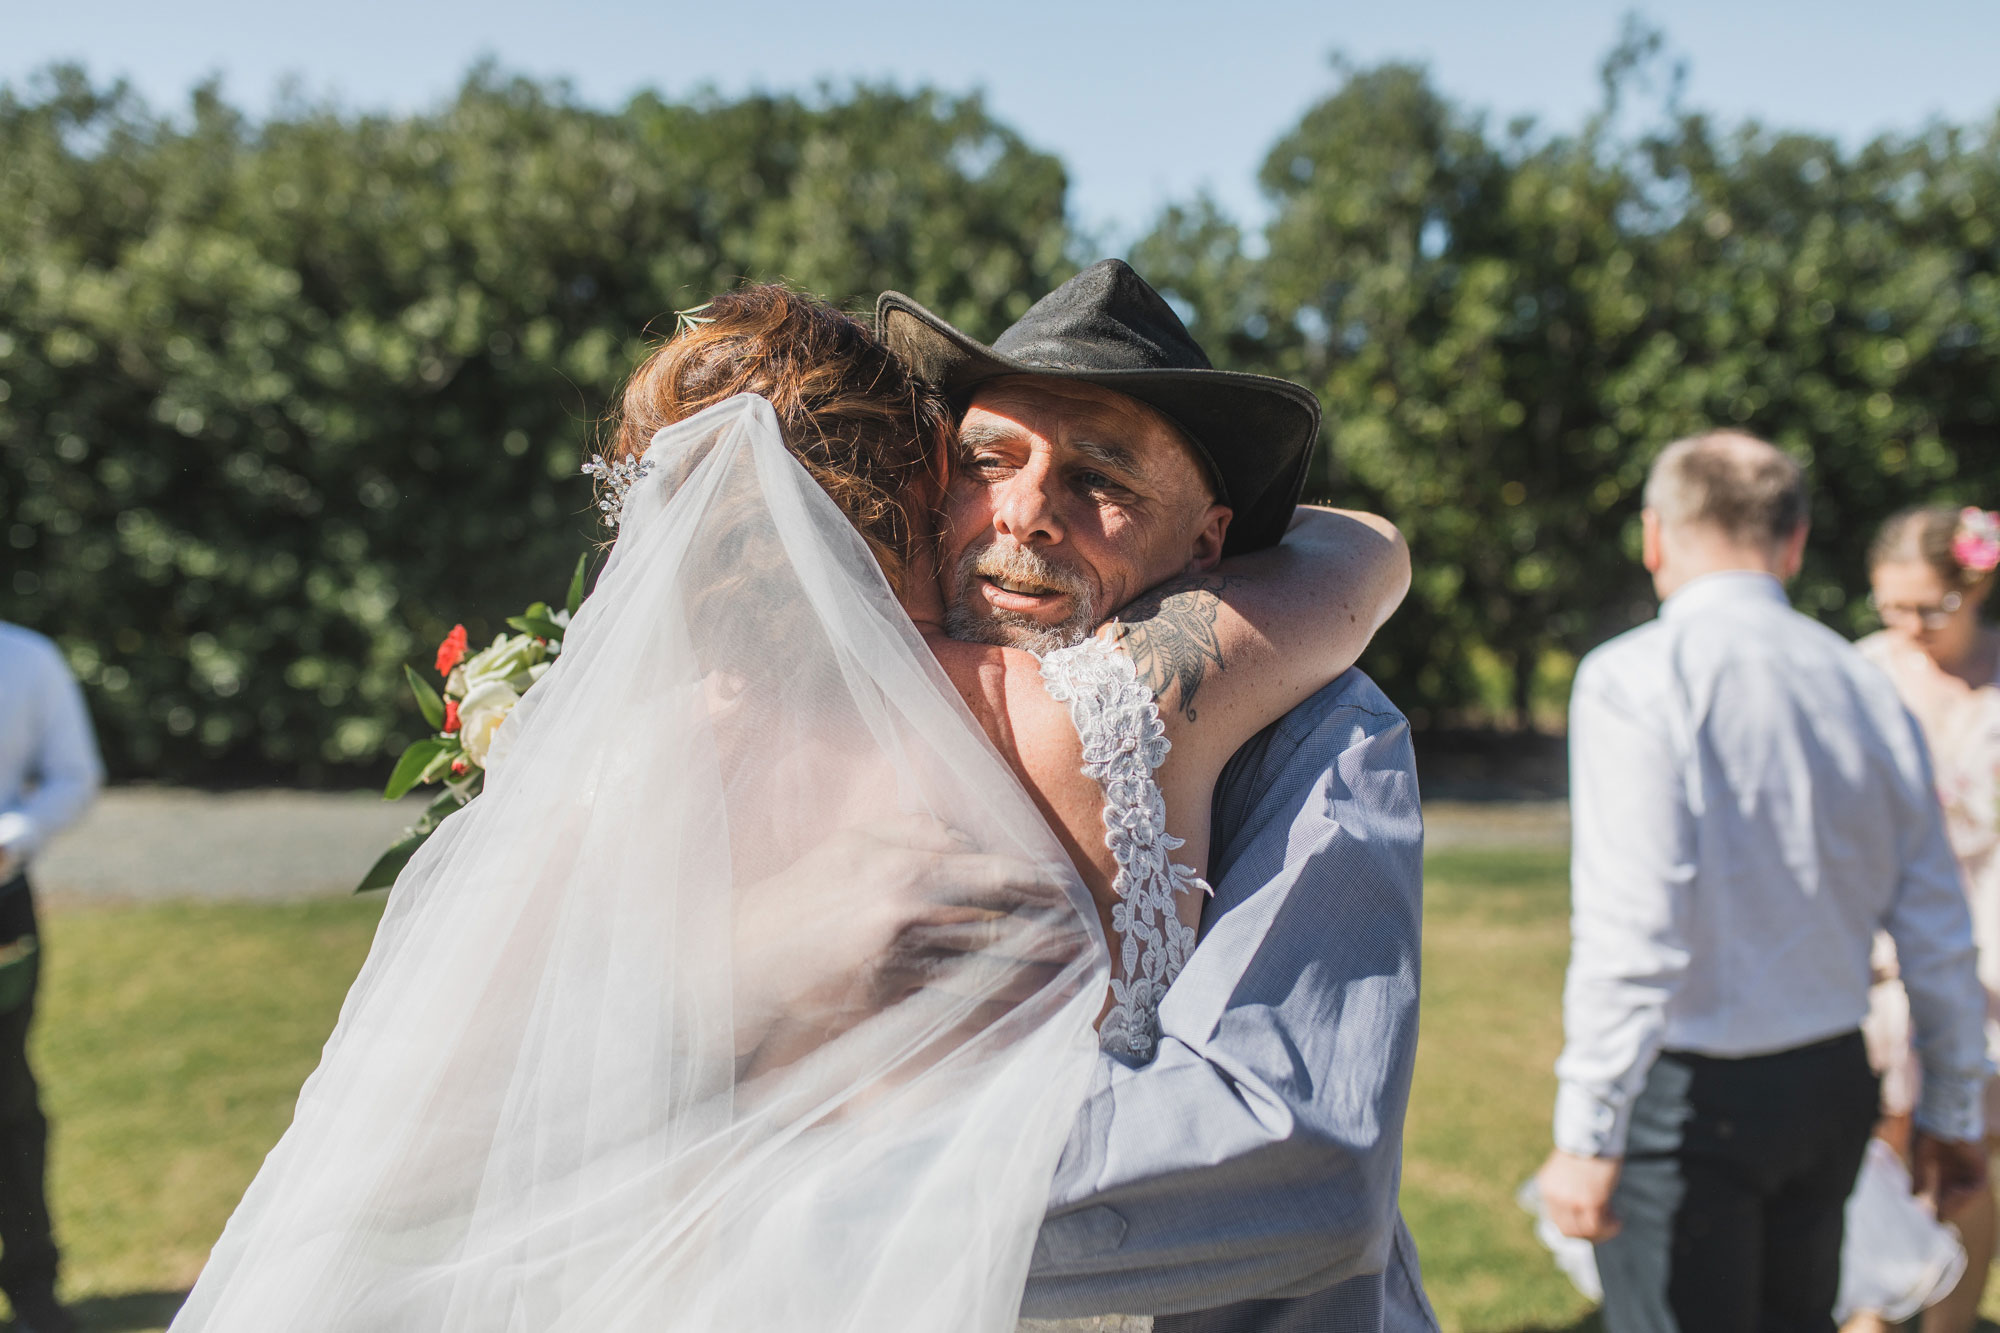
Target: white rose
[
  {"x": 484, "y": 709},
  {"x": 508, "y": 659}
]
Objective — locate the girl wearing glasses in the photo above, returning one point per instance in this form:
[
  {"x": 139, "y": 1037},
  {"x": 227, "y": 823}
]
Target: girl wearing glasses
[{"x": 1931, "y": 568}]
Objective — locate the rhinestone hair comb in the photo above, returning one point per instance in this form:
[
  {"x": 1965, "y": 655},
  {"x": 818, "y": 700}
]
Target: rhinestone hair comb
[{"x": 618, "y": 478}]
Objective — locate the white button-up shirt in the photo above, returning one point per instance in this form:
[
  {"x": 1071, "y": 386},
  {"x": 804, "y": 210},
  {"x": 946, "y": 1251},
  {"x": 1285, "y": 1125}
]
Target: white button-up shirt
[
  {"x": 1750, "y": 802},
  {"x": 49, "y": 769}
]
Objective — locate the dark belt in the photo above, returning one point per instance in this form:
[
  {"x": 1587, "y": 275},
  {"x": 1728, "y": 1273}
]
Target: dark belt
[{"x": 1824, "y": 1046}]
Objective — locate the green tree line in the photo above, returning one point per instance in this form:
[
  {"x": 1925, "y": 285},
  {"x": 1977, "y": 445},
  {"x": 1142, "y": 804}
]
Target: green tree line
[
  {"x": 280, "y": 402},
  {"x": 1505, "y": 328},
  {"x": 282, "y": 399}
]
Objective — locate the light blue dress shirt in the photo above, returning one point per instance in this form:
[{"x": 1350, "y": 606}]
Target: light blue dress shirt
[
  {"x": 1245, "y": 1180},
  {"x": 49, "y": 770},
  {"x": 1750, "y": 802}
]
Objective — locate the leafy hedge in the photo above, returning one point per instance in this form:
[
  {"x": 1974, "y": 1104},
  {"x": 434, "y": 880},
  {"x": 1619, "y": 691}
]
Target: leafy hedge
[{"x": 280, "y": 401}]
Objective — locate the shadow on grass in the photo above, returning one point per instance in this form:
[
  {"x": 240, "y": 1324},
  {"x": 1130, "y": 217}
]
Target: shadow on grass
[{"x": 123, "y": 1313}]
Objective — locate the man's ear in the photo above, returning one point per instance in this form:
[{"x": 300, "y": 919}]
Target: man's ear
[
  {"x": 1792, "y": 555},
  {"x": 1652, "y": 546},
  {"x": 1206, "y": 550}
]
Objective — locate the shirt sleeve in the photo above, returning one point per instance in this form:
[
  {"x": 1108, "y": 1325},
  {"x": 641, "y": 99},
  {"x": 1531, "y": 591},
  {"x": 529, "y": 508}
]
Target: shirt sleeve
[
  {"x": 1631, "y": 873},
  {"x": 67, "y": 772},
  {"x": 1932, "y": 927},
  {"x": 1258, "y": 1154}
]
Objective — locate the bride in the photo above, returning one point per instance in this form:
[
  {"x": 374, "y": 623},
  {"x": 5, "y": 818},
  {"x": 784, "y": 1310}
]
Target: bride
[{"x": 759, "y": 989}]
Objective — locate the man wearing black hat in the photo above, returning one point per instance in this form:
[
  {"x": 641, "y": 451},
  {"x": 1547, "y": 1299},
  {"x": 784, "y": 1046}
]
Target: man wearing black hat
[{"x": 1245, "y": 1179}]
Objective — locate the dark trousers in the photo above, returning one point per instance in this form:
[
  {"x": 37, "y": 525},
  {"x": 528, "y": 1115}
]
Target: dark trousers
[
  {"x": 27, "y": 1249},
  {"x": 1734, "y": 1192}
]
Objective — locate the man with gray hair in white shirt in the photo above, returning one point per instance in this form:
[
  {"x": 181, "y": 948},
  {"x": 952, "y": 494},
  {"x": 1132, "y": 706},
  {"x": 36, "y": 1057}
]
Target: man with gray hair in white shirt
[
  {"x": 1750, "y": 803},
  {"x": 49, "y": 773}
]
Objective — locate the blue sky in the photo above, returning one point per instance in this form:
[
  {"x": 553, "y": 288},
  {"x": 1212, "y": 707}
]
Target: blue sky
[{"x": 1146, "y": 102}]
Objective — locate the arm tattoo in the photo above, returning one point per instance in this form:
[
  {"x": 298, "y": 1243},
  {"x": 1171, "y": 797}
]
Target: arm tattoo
[{"x": 1171, "y": 636}]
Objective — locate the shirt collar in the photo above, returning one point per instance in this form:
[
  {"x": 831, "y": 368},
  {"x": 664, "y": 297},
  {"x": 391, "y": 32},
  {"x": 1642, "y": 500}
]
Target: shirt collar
[{"x": 1726, "y": 585}]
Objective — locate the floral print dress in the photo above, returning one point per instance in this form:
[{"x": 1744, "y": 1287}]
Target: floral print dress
[{"x": 1961, "y": 726}]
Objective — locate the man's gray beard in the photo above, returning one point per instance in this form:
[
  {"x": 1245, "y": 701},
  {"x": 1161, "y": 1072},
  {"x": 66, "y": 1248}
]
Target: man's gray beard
[{"x": 1010, "y": 629}]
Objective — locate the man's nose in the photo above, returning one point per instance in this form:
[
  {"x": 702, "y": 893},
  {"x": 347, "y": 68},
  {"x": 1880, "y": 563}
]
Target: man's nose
[{"x": 1024, "y": 510}]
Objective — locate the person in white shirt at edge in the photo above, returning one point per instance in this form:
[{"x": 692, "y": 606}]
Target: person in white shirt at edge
[
  {"x": 1751, "y": 802},
  {"x": 49, "y": 772}
]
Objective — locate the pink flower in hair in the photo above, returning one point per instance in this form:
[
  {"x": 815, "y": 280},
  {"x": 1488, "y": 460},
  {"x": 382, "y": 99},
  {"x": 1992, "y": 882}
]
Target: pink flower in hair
[{"x": 1976, "y": 545}]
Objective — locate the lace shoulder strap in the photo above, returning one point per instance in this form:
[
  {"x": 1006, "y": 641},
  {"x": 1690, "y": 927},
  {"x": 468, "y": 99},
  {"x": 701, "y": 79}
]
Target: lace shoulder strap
[{"x": 1124, "y": 740}]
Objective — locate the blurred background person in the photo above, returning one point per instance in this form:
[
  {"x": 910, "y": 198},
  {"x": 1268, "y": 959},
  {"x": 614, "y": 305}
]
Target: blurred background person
[
  {"x": 1751, "y": 804},
  {"x": 1931, "y": 569},
  {"x": 49, "y": 773}
]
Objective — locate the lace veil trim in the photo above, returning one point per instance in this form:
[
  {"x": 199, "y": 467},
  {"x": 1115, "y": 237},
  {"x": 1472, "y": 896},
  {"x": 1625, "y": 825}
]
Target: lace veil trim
[{"x": 1124, "y": 740}]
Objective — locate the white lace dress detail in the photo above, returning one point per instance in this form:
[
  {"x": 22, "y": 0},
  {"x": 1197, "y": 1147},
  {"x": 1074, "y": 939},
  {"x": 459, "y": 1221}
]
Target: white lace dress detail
[{"x": 1124, "y": 740}]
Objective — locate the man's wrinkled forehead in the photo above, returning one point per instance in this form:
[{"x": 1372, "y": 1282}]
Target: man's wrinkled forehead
[{"x": 1109, "y": 428}]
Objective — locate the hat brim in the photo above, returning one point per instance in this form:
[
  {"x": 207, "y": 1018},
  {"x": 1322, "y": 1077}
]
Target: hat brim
[{"x": 1255, "y": 433}]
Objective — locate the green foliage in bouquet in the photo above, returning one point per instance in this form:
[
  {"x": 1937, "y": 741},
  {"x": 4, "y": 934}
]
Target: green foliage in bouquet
[{"x": 480, "y": 691}]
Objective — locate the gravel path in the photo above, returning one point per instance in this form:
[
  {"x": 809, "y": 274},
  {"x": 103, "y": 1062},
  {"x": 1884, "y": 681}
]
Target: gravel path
[
  {"x": 160, "y": 842},
  {"x": 142, "y": 843}
]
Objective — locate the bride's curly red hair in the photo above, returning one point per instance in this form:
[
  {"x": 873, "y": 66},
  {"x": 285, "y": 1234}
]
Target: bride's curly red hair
[{"x": 874, "y": 437}]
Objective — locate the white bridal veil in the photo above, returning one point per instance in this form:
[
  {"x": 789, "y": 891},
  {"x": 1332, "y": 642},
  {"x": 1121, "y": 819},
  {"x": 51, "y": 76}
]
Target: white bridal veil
[{"x": 549, "y": 1105}]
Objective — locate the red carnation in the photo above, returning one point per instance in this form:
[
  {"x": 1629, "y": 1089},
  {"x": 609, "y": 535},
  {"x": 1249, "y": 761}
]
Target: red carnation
[
  {"x": 452, "y": 651},
  {"x": 450, "y": 716},
  {"x": 460, "y": 767}
]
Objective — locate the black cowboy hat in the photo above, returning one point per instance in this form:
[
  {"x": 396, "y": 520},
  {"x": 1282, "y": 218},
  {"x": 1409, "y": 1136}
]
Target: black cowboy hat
[{"x": 1107, "y": 327}]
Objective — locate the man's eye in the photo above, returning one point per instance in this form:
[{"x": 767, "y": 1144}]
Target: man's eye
[{"x": 1095, "y": 481}]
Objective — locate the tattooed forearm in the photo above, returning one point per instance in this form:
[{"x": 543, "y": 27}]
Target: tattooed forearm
[{"x": 1170, "y": 634}]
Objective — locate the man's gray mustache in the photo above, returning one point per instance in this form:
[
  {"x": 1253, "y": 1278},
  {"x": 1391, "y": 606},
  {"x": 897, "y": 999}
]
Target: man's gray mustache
[
  {"x": 1021, "y": 565},
  {"x": 1009, "y": 629}
]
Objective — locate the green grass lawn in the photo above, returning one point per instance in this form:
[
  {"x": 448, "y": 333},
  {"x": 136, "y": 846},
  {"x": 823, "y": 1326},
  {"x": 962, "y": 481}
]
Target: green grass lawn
[
  {"x": 173, "y": 1039},
  {"x": 171, "y": 1042},
  {"x": 1496, "y": 939}
]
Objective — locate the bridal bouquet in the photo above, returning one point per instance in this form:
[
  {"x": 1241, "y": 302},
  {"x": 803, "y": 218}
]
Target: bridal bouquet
[{"x": 479, "y": 691}]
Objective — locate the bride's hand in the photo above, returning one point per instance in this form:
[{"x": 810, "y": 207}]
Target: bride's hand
[{"x": 880, "y": 910}]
